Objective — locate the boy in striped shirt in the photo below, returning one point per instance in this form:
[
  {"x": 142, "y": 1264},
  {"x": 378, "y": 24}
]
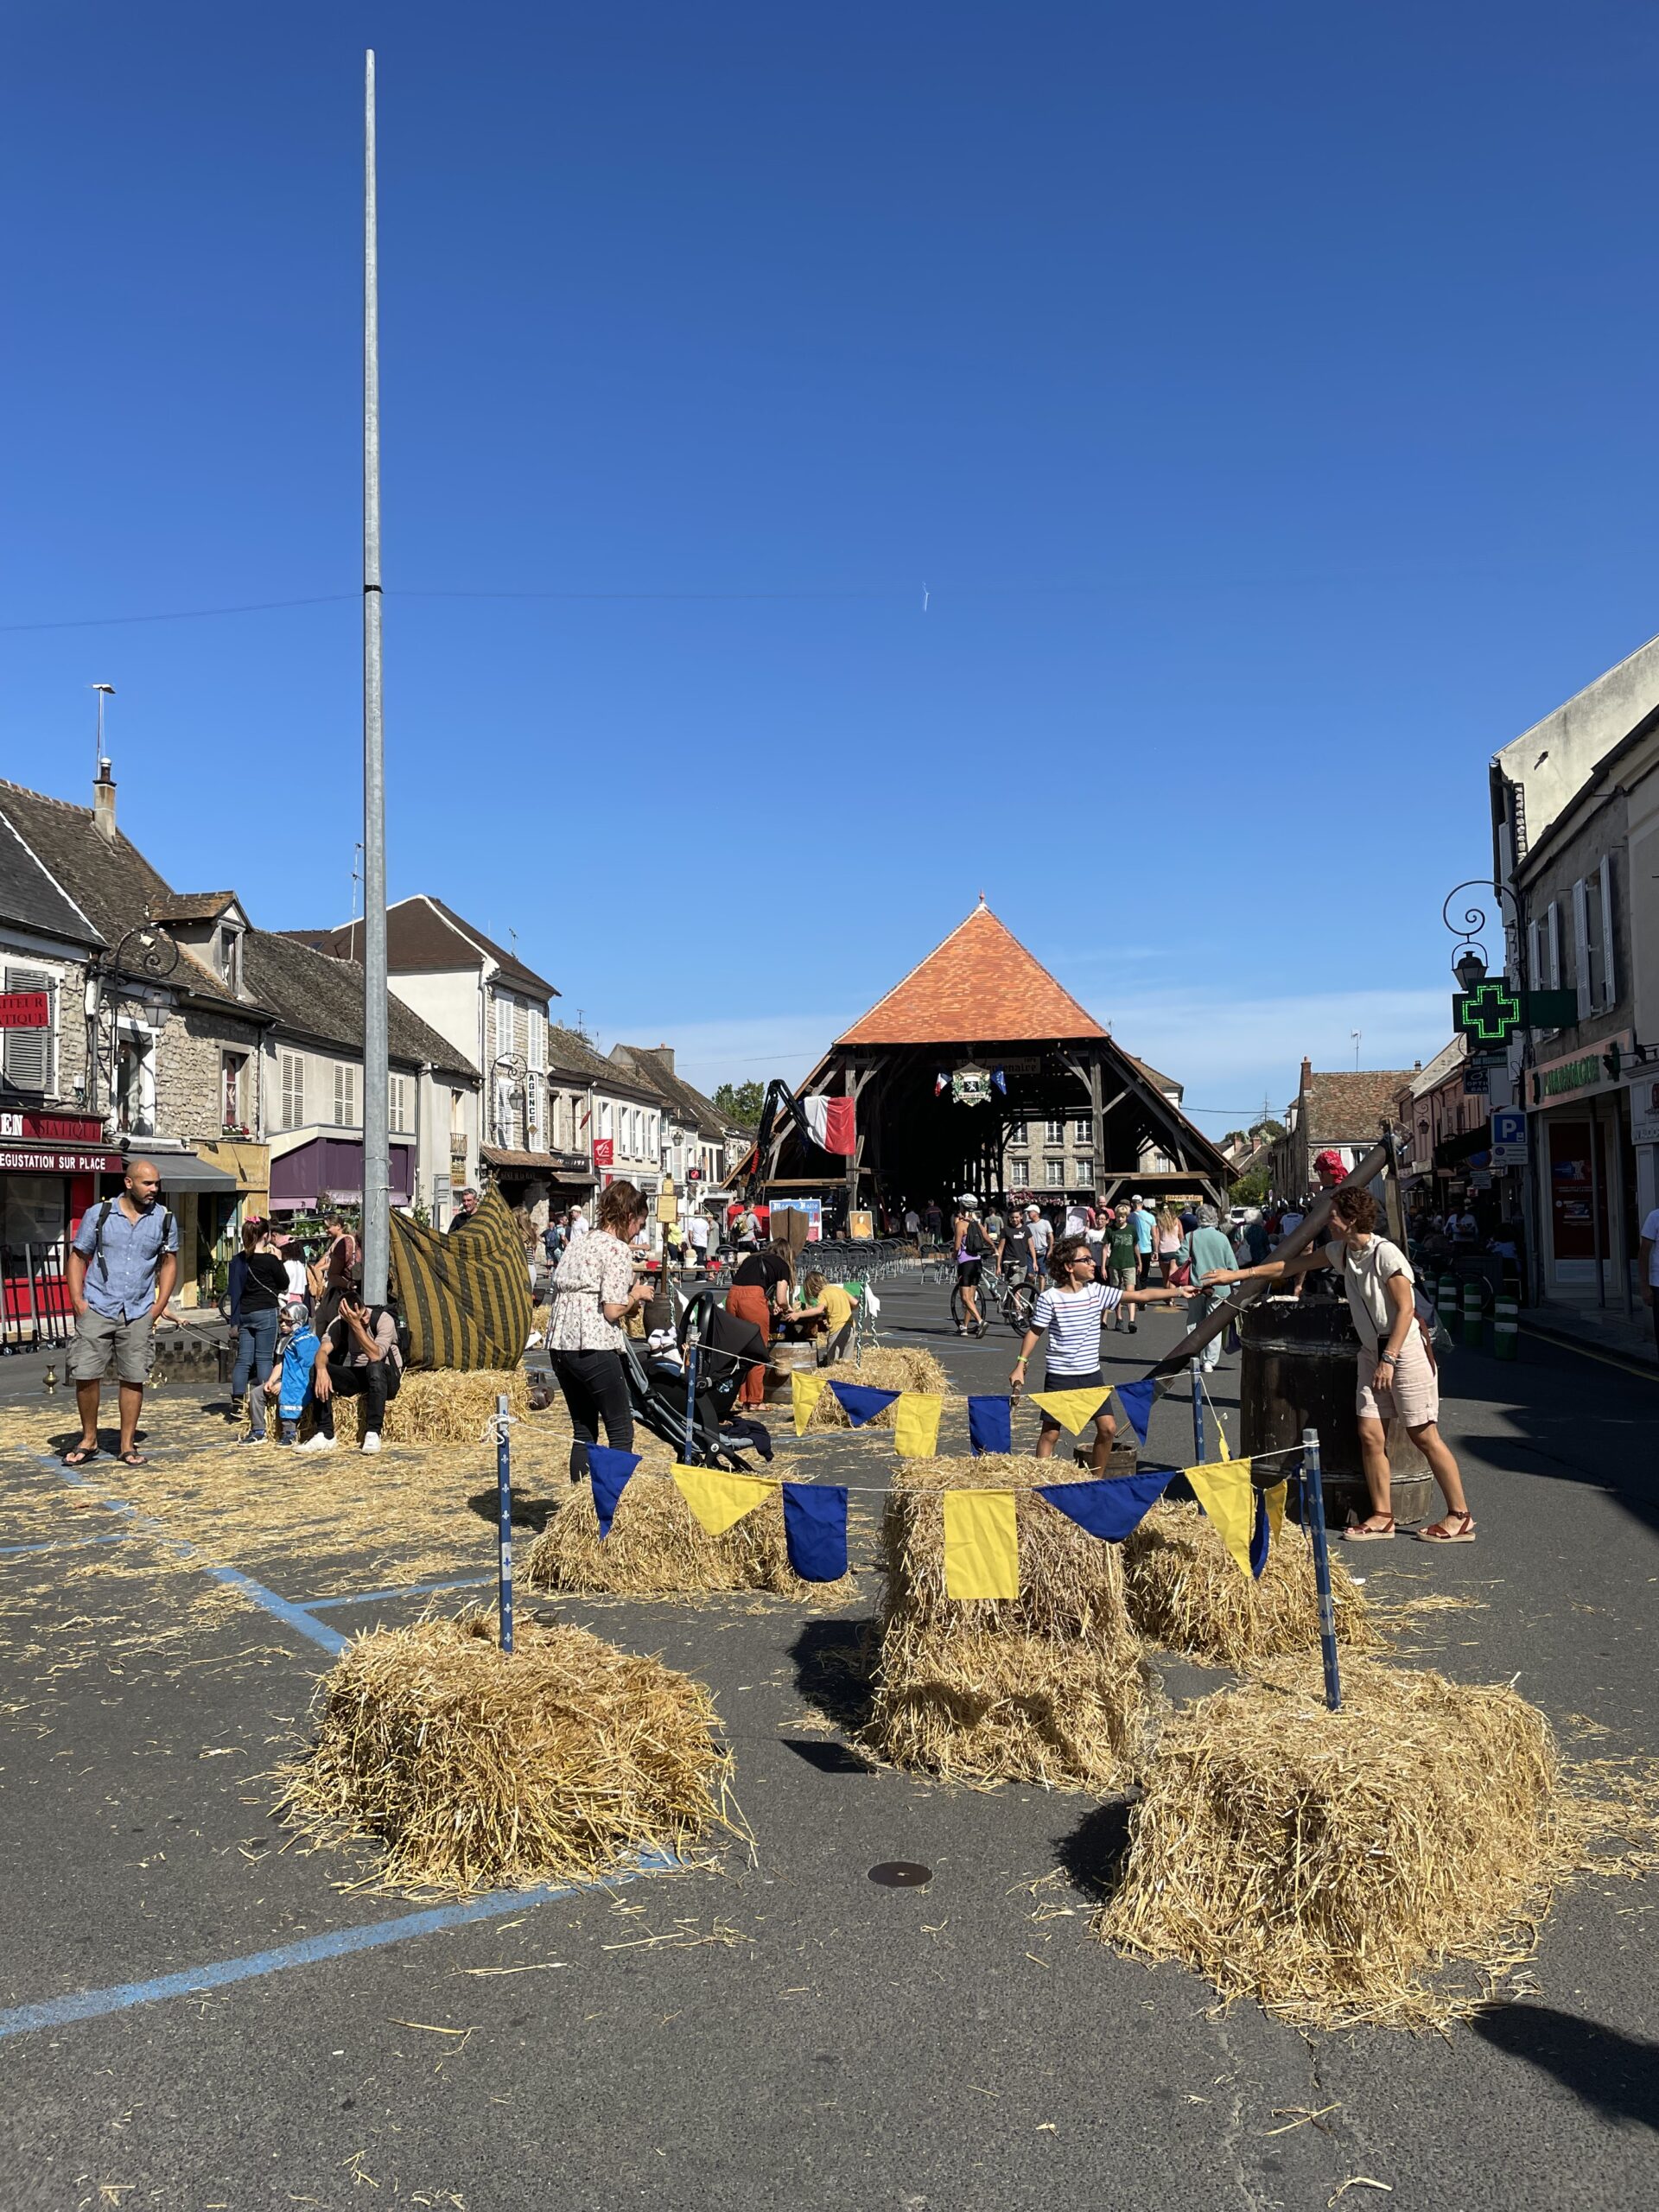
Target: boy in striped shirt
[{"x": 1074, "y": 1309}]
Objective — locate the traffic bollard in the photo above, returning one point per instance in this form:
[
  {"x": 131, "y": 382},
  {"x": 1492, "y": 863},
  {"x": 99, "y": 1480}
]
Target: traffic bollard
[
  {"x": 1446, "y": 1299},
  {"x": 1474, "y": 1325},
  {"x": 1506, "y": 1327}
]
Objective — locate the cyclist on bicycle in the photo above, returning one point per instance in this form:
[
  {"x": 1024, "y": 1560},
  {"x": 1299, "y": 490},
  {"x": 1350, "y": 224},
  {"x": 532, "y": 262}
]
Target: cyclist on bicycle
[{"x": 972, "y": 1248}]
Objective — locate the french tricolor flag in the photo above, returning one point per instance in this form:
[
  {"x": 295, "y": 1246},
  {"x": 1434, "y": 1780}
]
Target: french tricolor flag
[{"x": 829, "y": 1124}]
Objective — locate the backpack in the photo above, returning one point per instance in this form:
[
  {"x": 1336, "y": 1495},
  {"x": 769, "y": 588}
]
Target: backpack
[{"x": 976, "y": 1241}]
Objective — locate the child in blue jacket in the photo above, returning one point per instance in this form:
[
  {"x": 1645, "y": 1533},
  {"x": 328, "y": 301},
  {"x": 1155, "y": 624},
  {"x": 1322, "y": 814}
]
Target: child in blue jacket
[{"x": 290, "y": 1380}]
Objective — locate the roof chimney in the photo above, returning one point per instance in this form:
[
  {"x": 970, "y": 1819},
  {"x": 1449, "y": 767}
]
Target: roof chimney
[
  {"x": 1307, "y": 1070},
  {"x": 104, "y": 804}
]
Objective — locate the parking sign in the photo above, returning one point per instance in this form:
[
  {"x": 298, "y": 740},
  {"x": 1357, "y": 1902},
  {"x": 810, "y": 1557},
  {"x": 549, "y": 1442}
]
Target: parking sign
[{"x": 1508, "y": 1138}]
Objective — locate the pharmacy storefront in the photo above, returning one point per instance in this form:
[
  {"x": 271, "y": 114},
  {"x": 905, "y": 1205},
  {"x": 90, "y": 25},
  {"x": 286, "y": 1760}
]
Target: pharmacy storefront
[{"x": 1584, "y": 1160}]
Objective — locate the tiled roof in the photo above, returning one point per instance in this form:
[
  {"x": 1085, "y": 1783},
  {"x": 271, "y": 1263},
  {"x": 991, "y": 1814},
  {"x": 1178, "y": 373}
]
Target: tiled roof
[
  {"x": 570, "y": 1054},
  {"x": 192, "y": 905},
  {"x": 423, "y": 934},
  {"x": 1349, "y": 1108},
  {"x": 111, "y": 882},
  {"x": 980, "y": 986},
  {"x": 687, "y": 1102},
  {"x": 314, "y": 995},
  {"x": 1160, "y": 1081},
  {"x": 29, "y": 897}
]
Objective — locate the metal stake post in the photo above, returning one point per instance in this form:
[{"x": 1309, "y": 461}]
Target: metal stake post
[
  {"x": 1313, "y": 1522},
  {"x": 377, "y": 1165},
  {"x": 1195, "y": 1369},
  {"x": 690, "y": 1396},
  {"x": 504, "y": 1519}
]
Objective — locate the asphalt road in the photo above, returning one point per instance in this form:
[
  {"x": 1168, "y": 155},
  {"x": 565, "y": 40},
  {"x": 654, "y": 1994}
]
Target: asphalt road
[{"x": 788, "y": 2032}]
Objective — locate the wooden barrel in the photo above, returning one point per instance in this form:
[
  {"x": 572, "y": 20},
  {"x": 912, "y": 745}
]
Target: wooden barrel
[
  {"x": 1299, "y": 1370},
  {"x": 785, "y": 1360}
]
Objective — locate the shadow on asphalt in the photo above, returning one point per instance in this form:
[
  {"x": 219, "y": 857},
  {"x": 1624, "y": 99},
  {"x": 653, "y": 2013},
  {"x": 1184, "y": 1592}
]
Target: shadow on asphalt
[
  {"x": 832, "y": 1661},
  {"x": 828, "y": 1758},
  {"x": 1091, "y": 1857},
  {"x": 532, "y": 1513},
  {"x": 1617, "y": 2073}
]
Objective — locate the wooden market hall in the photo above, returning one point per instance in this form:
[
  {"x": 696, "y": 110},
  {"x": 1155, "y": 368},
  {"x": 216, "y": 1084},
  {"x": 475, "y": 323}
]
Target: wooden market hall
[{"x": 975, "y": 1039}]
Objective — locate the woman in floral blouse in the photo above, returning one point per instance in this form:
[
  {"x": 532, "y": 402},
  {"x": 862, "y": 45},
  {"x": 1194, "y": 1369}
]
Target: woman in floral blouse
[{"x": 594, "y": 1293}]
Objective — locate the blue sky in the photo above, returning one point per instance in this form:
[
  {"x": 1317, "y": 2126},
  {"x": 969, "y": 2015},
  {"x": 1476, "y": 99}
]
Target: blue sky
[{"x": 1137, "y": 463}]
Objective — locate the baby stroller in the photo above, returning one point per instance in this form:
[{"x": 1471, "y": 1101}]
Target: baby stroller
[{"x": 688, "y": 1402}]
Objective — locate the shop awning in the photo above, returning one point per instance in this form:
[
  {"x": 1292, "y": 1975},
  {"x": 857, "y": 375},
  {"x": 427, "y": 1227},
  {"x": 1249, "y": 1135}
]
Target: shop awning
[
  {"x": 184, "y": 1172},
  {"x": 555, "y": 1167},
  {"x": 1468, "y": 1148}
]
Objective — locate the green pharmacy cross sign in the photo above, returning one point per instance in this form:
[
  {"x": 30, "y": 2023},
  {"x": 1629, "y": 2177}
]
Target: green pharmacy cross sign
[{"x": 1488, "y": 1015}]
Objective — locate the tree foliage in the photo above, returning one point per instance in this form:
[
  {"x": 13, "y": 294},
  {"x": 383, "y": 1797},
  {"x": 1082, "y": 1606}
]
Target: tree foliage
[{"x": 742, "y": 1103}]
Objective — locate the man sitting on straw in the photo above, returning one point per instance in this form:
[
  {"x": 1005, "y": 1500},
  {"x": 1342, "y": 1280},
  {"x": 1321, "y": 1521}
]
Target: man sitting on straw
[
  {"x": 1397, "y": 1376},
  {"x": 358, "y": 1355},
  {"x": 1073, "y": 1308}
]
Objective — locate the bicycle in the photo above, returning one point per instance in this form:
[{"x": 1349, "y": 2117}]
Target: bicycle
[{"x": 1012, "y": 1300}]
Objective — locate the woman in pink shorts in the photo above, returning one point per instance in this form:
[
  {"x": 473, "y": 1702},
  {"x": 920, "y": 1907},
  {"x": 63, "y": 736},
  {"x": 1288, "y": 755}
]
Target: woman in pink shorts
[{"x": 1397, "y": 1376}]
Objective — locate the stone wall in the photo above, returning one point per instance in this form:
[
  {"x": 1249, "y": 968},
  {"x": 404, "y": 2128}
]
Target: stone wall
[{"x": 188, "y": 1088}]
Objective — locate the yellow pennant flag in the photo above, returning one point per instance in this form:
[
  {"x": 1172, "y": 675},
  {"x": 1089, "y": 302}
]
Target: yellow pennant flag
[
  {"x": 1223, "y": 1490},
  {"x": 720, "y": 1500},
  {"x": 982, "y": 1544},
  {"x": 1225, "y": 1449},
  {"x": 916, "y": 1424},
  {"x": 1274, "y": 1499},
  {"x": 804, "y": 1391},
  {"x": 1073, "y": 1409}
]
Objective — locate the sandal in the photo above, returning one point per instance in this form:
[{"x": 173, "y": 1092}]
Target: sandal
[
  {"x": 1359, "y": 1533},
  {"x": 1456, "y": 1528},
  {"x": 80, "y": 1455},
  {"x": 134, "y": 1458}
]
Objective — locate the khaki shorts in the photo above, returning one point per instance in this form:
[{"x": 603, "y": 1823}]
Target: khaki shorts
[
  {"x": 1415, "y": 1396},
  {"x": 98, "y": 1336}
]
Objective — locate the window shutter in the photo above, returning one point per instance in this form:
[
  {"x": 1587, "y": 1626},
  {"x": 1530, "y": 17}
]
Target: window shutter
[
  {"x": 27, "y": 1061},
  {"x": 1553, "y": 939},
  {"x": 1582, "y": 979},
  {"x": 1609, "y": 966}
]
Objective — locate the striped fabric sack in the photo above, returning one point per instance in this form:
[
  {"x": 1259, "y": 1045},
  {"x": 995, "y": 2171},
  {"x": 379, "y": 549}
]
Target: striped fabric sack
[{"x": 465, "y": 1300}]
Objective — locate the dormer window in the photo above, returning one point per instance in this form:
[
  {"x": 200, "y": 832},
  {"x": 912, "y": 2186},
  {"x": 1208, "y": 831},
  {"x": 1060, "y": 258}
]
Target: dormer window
[{"x": 229, "y": 947}]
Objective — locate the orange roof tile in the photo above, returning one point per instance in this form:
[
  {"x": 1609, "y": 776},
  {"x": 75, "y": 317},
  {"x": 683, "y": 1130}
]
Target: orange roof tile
[{"x": 979, "y": 985}]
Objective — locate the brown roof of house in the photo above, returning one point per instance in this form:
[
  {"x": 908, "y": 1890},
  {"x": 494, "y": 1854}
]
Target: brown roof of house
[
  {"x": 979, "y": 985},
  {"x": 688, "y": 1101},
  {"x": 192, "y": 905},
  {"x": 111, "y": 882},
  {"x": 313, "y": 994},
  {"x": 1162, "y": 1082},
  {"x": 423, "y": 934},
  {"x": 1348, "y": 1108}
]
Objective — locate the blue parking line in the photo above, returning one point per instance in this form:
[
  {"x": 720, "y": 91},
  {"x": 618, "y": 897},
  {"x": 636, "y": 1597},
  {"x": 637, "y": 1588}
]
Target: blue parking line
[
  {"x": 339, "y": 1942},
  {"x": 405, "y": 1590},
  {"x": 291, "y": 1616},
  {"x": 61, "y": 1544}
]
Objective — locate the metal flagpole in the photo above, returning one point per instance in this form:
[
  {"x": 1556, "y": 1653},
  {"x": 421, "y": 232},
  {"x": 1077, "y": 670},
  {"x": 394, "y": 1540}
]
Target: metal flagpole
[{"x": 376, "y": 1136}]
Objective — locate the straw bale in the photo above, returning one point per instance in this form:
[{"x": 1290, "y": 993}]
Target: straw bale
[
  {"x": 1186, "y": 1594},
  {"x": 1049, "y": 1687},
  {"x": 1325, "y": 1863},
  {"x": 658, "y": 1548},
  {"x": 884, "y": 1366},
  {"x": 440, "y": 1405},
  {"x": 476, "y": 1769}
]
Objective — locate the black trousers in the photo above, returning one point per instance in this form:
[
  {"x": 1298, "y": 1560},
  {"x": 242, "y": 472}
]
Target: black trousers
[
  {"x": 596, "y": 1389},
  {"x": 378, "y": 1383}
]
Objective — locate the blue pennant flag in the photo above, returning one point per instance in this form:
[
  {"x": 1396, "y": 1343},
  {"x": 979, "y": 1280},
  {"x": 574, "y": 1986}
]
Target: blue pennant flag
[
  {"x": 1260, "y": 1537},
  {"x": 815, "y": 1529},
  {"x": 608, "y": 1473},
  {"x": 1113, "y": 1507},
  {"x": 1136, "y": 1398},
  {"x": 862, "y": 1404},
  {"x": 990, "y": 1424}
]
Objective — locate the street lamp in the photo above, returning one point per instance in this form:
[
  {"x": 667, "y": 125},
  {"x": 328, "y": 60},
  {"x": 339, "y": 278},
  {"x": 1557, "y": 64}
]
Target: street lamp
[
  {"x": 1470, "y": 969},
  {"x": 145, "y": 952},
  {"x": 514, "y": 1067}
]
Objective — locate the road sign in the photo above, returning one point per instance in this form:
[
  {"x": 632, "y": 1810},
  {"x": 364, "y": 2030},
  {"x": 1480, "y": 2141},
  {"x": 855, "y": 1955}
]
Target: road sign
[{"x": 1508, "y": 1145}]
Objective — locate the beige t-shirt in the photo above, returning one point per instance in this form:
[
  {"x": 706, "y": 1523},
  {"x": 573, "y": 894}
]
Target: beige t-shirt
[{"x": 1365, "y": 1277}]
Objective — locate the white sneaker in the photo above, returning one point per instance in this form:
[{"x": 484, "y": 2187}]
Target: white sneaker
[
  {"x": 372, "y": 1441},
  {"x": 317, "y": 1443}
]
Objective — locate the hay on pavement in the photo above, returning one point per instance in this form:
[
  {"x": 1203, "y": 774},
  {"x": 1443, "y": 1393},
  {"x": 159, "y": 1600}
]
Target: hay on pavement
[
  {"x": 1186, "y": 1593},
  {"x": 439, "y": 1405},
  {"x": 1326, "y": 1862},
  {"x": 885, "y": 1367},
  {"x": 1049, "y": 1687},
  {"x": 476, "y": 1769},
  {"x": 659, "y": 1548}
]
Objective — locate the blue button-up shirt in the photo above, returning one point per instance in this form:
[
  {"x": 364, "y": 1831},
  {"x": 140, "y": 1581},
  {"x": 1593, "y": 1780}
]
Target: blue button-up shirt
[{"x": 121, "y": 1281}]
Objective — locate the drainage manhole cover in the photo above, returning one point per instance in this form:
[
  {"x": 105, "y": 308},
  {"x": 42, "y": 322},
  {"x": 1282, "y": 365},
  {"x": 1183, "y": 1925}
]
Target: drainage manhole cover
[{"x": 901, "y": 1874}]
